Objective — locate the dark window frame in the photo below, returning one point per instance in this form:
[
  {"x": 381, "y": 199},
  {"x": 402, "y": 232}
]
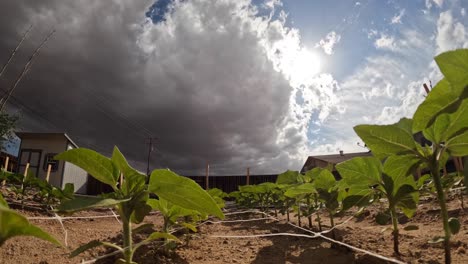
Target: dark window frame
[{"x": 48, "y": 159}]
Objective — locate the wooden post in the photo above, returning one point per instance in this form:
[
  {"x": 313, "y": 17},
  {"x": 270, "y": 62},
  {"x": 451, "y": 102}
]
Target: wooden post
[
  {"x": 26, "y": 169},
  {"x": 49, "y": 168},
  {"x": 6, "y": 163},
  {"x": 5, "y": 168},
  {"x": 248, "y": 176},
  {"x": 207, "y": 185},
  {"x": 25, "y": 174}
]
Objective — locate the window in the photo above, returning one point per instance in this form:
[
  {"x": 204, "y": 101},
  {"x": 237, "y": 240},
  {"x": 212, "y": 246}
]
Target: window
[{"x": 49, "y": 159}]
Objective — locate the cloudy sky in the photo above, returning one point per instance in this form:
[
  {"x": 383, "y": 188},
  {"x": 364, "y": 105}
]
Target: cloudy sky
[{"x": 236, "y": 83}]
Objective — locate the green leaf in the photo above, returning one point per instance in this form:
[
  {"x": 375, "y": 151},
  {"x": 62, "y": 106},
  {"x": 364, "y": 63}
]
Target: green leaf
[
  {"x": 458, "y": 145},
  {"x": 454, "y": 66},
  {"x": 303, "y": 189},
  {"x": 454, "y": 225},
  {"x": 386, "y": 140},
  {"x": 288, "y": 177},
  {"x": 141, "y": 210},
  {"x": 3, "y": 202},
  {"x": 405, "y": 124},
  {"x": 90, "y": 245},
  {"x": 442, "y": 99},
  {"x": 142, "y": 227},
  {"x": 13, "y": 224},
  {"x": 183, "y": 192},
  {"x": 406, "y": 198},
  {"x": 382, "y": 218},
  {"x": 436, "y": 131},
  {"x": 134, "y": 181},
  {"x": 84, "y": 203},
  {"x": 325, "y": 180},
  {"x": 411, "y": 227},
  {"x": 189, "y": 226},
  {"x": 361, "y": 171},
  {"x": 94, "y": 163},
  {"x": 158, "y": 235},
  {"x": 398, "y": 167},
  {"x": 457, "y": 122},
  {"x": 357, "y": 200}
]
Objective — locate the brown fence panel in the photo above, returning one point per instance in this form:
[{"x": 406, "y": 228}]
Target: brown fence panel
[{"x": 231, "y": 183}]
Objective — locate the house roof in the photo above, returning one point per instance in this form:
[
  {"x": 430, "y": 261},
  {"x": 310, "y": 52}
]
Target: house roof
[
  {"x": 335, "y": 158},
  {"x": 30, "y": 135}
]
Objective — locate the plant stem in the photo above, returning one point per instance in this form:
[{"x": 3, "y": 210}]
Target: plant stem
[
  {"x": 395, "y": 229},
  {"x": 309, "y": 216},
  {"x": 443, "y": 207},
  {"x": 318, "y": 214},
  {"x": 332, "y": 224},
  {"x": 299, "y": 214},
  {"x": 127, "y": 240}
]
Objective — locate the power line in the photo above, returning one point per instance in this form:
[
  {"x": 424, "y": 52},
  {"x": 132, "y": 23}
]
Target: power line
[{"x": 150, "y": 149}]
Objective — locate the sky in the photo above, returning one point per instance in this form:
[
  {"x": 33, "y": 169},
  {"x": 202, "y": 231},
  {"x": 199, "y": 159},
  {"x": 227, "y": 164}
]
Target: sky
[{"x": 235, "y": 83}]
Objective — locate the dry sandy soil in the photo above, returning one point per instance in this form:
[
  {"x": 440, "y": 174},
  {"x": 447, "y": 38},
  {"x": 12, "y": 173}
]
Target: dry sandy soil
[{"x": 202, "y": 247}]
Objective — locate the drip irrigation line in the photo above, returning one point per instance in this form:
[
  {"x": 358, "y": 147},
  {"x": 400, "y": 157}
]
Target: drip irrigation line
[
  {"x": 321, "y": 235},
  {"x": 243, "y": 212},
  {"x": 116, "y": 216},
  {"x": 237, "y": 221},
  {"x": 59, "y": 219},
  {"x": 75, "y": 217},
  {"x": 314, "y": 235},
  {"x": 267, "y": 235}
]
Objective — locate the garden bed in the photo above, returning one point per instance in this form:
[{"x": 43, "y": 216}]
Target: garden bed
[{"x": 362, "y": 232}]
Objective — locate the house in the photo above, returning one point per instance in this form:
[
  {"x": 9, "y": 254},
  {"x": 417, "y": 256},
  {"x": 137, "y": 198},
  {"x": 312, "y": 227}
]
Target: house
[
  {"x": 324, "y": 161},
  {"x": 39, "y": 149}
]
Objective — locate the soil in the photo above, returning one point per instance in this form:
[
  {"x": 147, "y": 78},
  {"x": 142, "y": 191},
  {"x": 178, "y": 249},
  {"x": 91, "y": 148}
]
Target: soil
[{"x": 362, "y": 232}]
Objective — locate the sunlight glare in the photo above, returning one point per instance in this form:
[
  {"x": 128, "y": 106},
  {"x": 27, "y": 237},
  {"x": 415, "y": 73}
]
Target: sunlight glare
[{"x": 304, "y": 66}]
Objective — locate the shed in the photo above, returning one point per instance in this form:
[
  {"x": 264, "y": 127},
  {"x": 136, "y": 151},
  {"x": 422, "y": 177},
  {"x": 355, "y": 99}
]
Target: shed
[
  {"x": 323, "y": 161},
  {"x": 38, "y": 149}
]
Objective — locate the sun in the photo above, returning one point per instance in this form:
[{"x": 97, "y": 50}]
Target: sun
[{"x": 304, "y": 66}]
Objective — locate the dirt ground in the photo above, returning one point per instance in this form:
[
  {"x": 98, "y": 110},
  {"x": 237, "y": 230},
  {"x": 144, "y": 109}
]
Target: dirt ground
[{"x": 362, "y": 232}]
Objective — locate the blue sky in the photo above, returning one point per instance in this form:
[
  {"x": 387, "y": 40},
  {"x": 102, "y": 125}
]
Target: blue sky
[{"x": 237, "y": 83}]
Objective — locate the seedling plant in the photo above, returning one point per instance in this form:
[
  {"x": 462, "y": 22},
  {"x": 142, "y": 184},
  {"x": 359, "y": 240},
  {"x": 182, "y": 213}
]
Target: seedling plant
[{"x": 130, "y": 196}]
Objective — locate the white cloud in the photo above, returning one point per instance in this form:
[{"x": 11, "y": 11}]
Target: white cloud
[
  {"x": 372, "y": 33},
  {"x": 396, "y": 19},
  {"x": 187, "y": 41},
  {"x": 385, "y": 42},
  {"x": 329, "y": 42},
  {"x": 271, "y": 4},
  {"x": 451, "y": 34},
  {"x": 429, "y": 3},
  {"x": 463, "y": 12}
]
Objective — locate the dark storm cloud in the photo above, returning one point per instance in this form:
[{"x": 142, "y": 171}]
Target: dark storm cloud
[{"x": 200, "y": 81}]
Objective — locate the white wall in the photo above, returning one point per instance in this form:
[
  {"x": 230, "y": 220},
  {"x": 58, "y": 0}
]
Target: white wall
[
  {"x": 71, "y": 173},
  {"x": 75, "y": 175},
  {"x": 47, "y": 145}
]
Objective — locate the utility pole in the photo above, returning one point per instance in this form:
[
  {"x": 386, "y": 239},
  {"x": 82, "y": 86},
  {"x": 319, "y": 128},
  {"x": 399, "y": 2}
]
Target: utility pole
[{"x": 150, "y": 149}]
